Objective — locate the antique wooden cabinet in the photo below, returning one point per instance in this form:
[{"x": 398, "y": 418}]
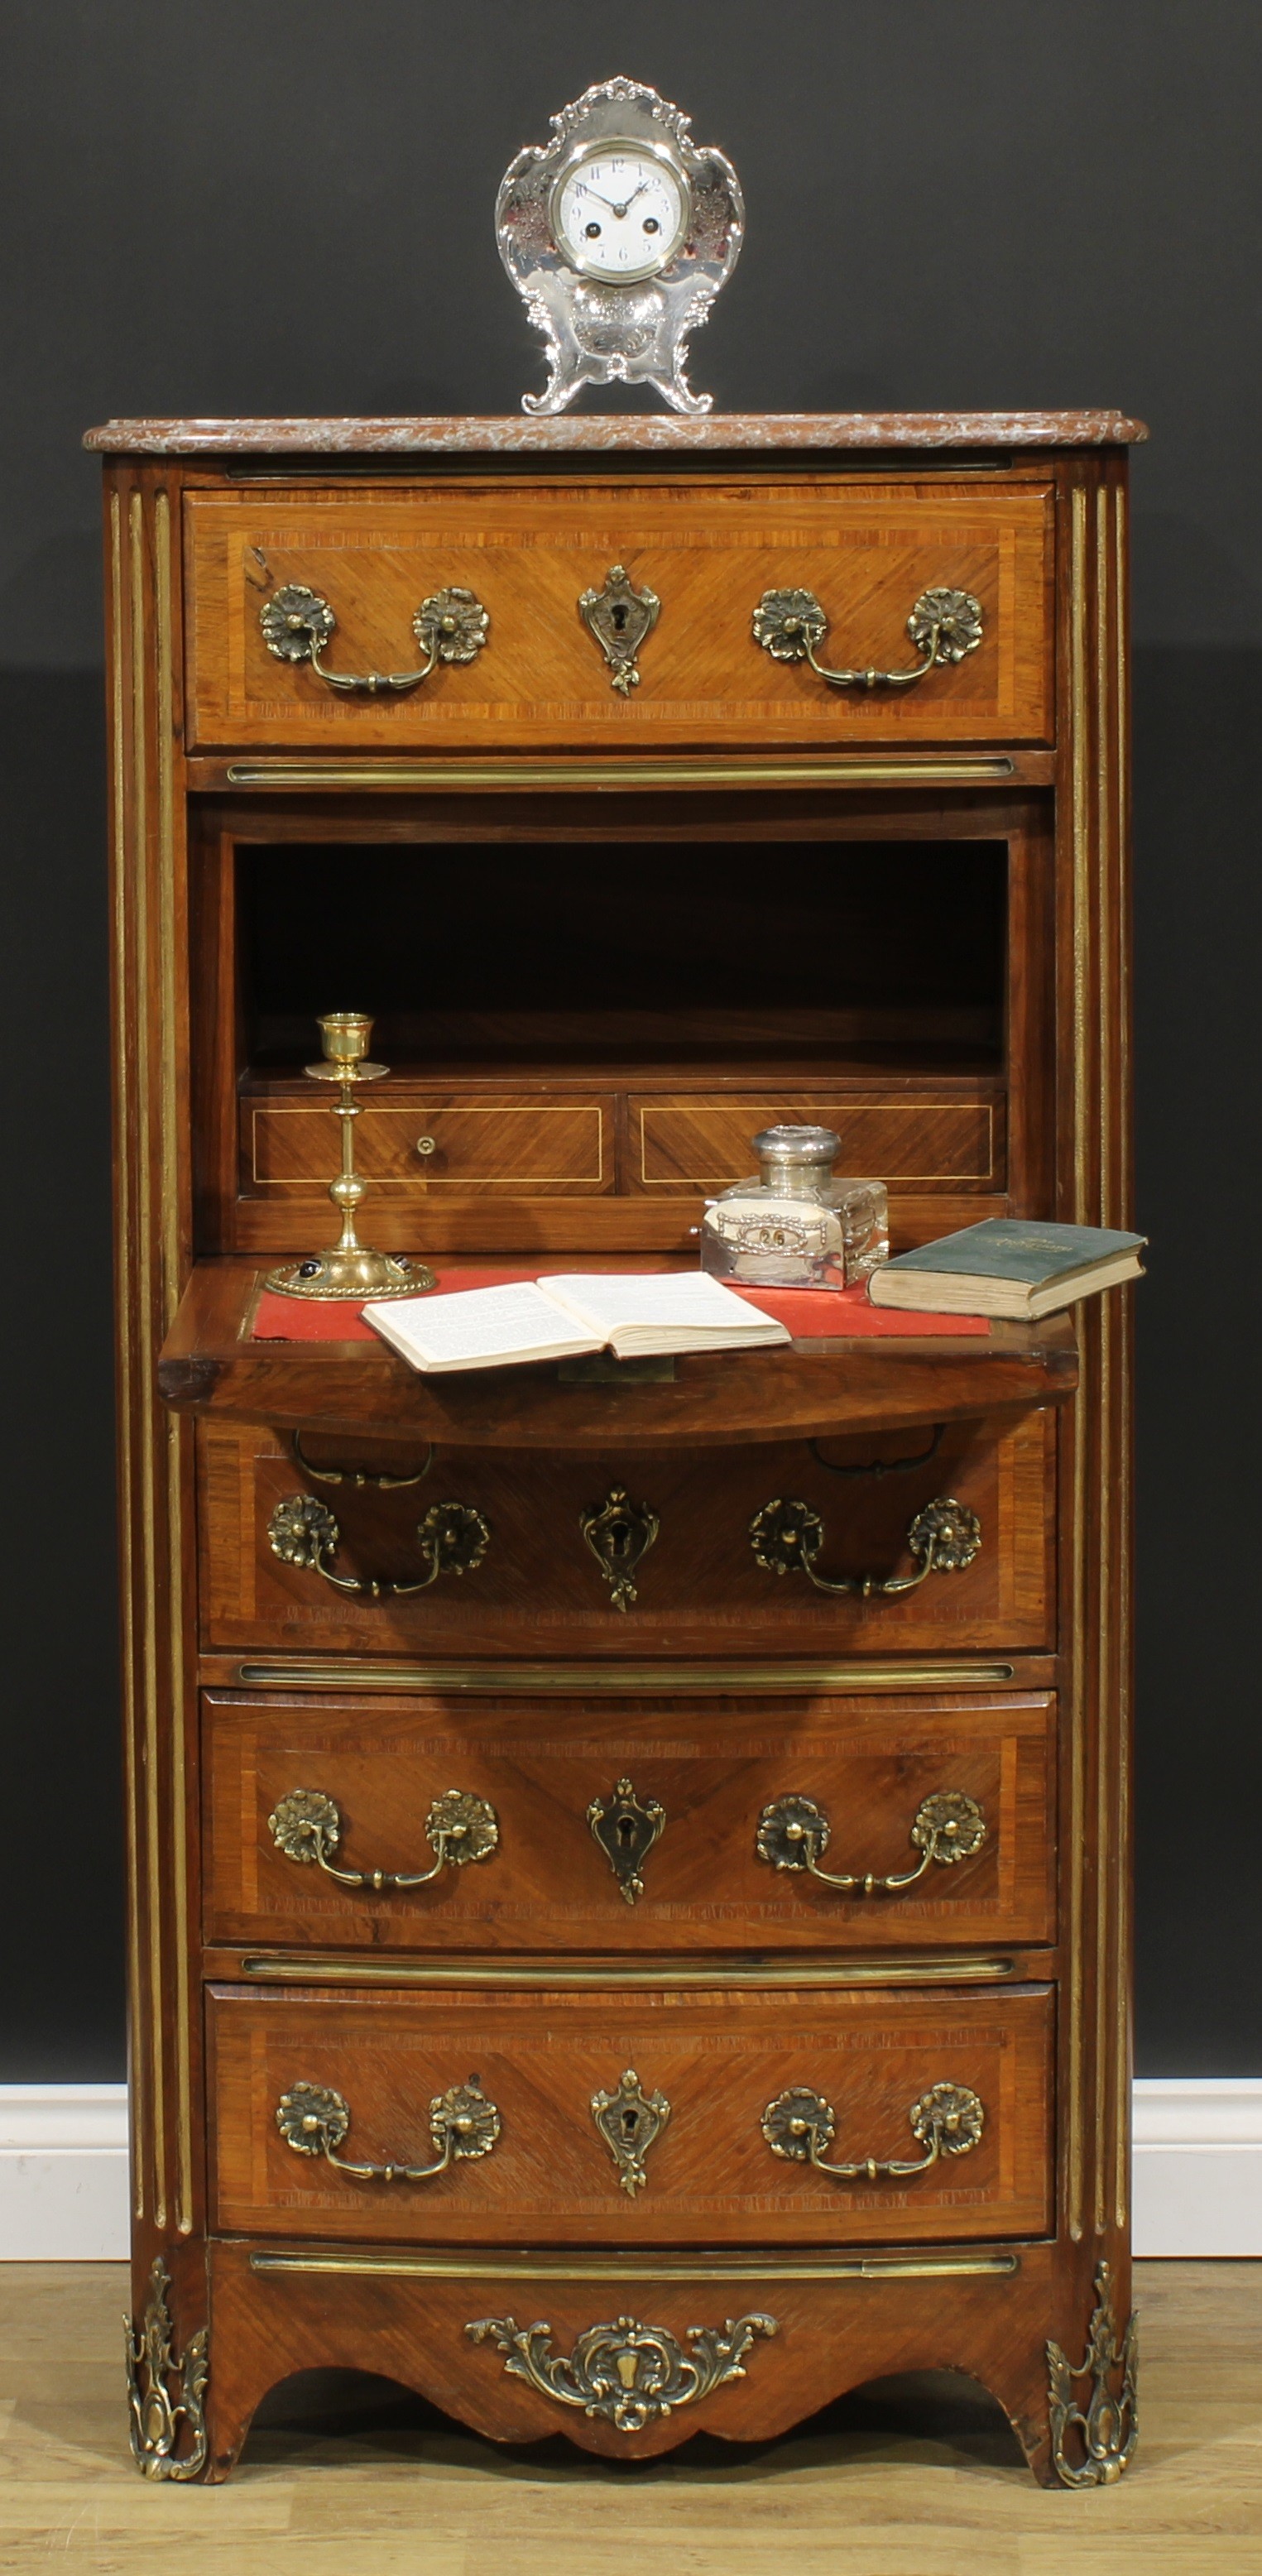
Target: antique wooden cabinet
[{"x": 559, "y": 1993}]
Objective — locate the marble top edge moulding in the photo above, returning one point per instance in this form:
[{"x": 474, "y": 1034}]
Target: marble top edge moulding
[{"x": 616, "y": 433}]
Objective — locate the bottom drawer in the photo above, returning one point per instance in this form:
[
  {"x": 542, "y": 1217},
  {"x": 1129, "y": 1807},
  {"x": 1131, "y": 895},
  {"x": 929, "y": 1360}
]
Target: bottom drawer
[{"x": 696, "y": 2092}]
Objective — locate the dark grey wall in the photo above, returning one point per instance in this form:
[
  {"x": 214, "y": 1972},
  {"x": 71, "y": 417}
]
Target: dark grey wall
[{"x": 284, "y": 205}]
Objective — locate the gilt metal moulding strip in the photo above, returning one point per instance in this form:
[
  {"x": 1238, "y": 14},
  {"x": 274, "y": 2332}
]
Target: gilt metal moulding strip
[
  {"x": 544, "y": 1975},
  {"x": 275, "y": 1673},
  {"x": 510, "y": 775},
  {"x": 519, "y": 2266}
]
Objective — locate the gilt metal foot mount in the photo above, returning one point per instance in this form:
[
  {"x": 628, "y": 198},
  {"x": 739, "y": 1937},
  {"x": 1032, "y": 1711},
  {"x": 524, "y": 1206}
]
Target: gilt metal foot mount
[
  {"x": 165, "y": 2388},
  {"x": 1092, "y": 2443}
]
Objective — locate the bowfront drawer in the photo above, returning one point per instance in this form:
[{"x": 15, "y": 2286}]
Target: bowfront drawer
[
  {"x": 782, "y": 1548},
  {"x": 535, "y": 676},
  {"x": 475, "y": 2117},
  {"x": 416, "y": 1823},
  {"x": 942, "y": 1137},
  {"x": 427, "y": 1142}
]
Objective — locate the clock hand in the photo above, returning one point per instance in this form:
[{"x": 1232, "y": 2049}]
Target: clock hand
[{"x": 620, "y": 211}]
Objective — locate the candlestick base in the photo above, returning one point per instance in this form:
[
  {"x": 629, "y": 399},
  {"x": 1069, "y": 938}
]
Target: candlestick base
[{"x": 358, "y": 1273}]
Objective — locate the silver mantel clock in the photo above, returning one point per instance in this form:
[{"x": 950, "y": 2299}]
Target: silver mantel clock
[{"x": 619, "y": 234}]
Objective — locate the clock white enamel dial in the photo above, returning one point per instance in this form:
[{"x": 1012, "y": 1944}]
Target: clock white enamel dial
[
  {"x": 618, "y": 235},
  {"x": 621, "y": 213}
]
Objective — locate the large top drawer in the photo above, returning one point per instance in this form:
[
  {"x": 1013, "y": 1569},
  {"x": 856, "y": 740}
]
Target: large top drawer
[{"x": 709, "y": 549}]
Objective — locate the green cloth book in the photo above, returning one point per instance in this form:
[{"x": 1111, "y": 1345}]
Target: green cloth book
[{"x": 1008, "y": 1266}]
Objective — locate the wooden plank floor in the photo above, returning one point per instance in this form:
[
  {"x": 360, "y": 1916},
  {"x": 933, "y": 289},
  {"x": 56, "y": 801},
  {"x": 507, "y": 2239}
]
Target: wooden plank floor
[{"x": 867, "y": 2490}]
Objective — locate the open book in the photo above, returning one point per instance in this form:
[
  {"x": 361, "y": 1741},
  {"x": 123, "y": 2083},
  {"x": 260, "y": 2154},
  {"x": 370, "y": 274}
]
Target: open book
[{"x": 633, "y": 1314}]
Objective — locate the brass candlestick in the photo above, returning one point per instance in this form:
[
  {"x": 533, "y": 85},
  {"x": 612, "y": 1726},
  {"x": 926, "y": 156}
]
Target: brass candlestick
[{"x": 348, "y": 1268}]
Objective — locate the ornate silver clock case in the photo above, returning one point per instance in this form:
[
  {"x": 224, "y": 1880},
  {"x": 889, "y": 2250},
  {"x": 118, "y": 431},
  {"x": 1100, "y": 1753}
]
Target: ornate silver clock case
[{"x": 618, "y": 235}]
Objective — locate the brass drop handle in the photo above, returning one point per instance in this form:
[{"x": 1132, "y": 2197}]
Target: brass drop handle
[
  {"x": 359, "y": 1476},
  {"x": 313, "y": 2120},
  {"x": 946, "y": 1827},
  {"x": 944, "y": 625},
  {"x": 786, "y": 1537},
  {"x": 307, "y": 1826},
  {"x": 450, "y": 626},
  {"x": 947, "y": 2120},
  {"x": 453, "y": 1539}
]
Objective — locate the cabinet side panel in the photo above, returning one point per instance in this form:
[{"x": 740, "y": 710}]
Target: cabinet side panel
[
  {"x": 1094, "y": 1188},
  {"x": 153, "y": 1240}
]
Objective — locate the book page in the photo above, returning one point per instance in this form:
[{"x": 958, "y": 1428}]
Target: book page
[
  {"x": 661, "y": 1300},
  {"x": 478, "y": 1327}
]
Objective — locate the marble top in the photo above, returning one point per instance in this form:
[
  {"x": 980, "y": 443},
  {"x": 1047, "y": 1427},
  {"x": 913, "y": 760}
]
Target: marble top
[{"x": 608, "y": 433}]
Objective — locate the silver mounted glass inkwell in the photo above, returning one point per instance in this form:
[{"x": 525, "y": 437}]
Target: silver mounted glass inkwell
[{"x": 793, "y": 1224}]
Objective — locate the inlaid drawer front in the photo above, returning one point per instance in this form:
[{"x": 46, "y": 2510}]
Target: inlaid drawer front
[
  {"x": 773, "y": 2115},
  {"x": 433, "y": 1143},
  {"x": 683, "y": 1142},
  {"x": 519, "y": 668},
  {"x": 415, "y": 1823},
  {"x": 783, "y": 1547}
]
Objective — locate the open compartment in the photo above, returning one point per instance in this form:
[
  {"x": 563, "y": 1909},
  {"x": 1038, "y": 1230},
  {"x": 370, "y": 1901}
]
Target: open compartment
[{"x": 590, "y": 1004}]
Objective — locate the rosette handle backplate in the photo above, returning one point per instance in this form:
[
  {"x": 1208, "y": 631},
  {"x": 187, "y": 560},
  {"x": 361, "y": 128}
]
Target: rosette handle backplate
[
  {"x": 943, "y": 625},
  {"x": 297, "y": 623},
  {"x": 794, "y": 1831},
  {"x": 453, "y": 1539},
  {"x": 947, "y": 2120},
  {"x": 307, "y": 1826},
  {"x": 787, "y": 1535},
  {"x": 313, "y": 2119}
]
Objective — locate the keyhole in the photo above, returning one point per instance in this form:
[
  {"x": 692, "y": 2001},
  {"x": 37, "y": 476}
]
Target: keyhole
[
  {"x": 619, "y": 1537},
  {"x": 630, "y": 2123},
  {"x": 626, "y": 1832},
  {"x": 618, "y": 615}
]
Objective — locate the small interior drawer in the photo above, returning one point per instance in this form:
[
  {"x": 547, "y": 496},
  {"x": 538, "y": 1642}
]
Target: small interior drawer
[
  {"x": 428, "y": 1142},
  {"x": 935, "y": 1138},
  {"x": 718, "y": 2059}
]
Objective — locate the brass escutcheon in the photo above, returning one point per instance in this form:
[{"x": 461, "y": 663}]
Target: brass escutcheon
[
  {"x": 619, "y": 1532},
  {"x": 630, "y": 2121},
  {"x": 623, "y": 2372},
  {"x": 620, "y": 617},
  {"x": 626, "y": 1828}
]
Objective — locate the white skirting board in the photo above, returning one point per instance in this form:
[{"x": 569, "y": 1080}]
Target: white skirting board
[
  {"x": 1198, "y": 2166},
  {"x": 63, "y": 2170},
  {"x": 63, "y": 2173}
]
